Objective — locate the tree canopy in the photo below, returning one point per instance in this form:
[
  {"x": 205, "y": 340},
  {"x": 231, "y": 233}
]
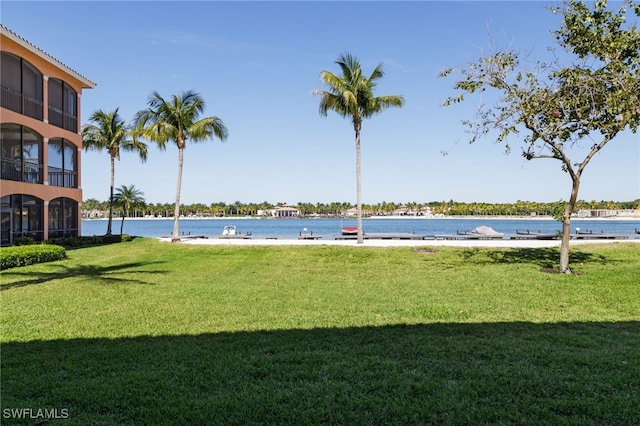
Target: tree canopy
[{"x": 556, "y": 105}]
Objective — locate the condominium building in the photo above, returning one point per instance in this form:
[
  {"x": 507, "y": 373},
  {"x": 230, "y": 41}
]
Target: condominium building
[{"x": 40, "y": 186}]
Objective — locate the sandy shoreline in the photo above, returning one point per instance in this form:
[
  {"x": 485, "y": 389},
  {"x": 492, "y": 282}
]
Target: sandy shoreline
[{"x": 395, "y": 243}]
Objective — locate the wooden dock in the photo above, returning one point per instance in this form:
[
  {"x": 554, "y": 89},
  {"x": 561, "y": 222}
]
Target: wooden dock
[
  {"x": 309, "y": 237},
  {"x": 599, "y": 236},
  {"x": 186, "y": 237},
  {"x": 235, "y": 237},
  {"x": 469, "y": 236},
  {"x": 384, "y": 236},
  {"x": 528, "y": 235}
]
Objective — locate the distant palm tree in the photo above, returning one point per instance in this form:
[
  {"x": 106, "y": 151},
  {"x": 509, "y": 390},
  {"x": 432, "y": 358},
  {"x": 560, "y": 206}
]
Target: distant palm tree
[
  {"x": 178, "y": 119},
  {"x": 351, "y": 96},
  {"x": 109, "y": 131},
  {"x": 128, "y": 198}
]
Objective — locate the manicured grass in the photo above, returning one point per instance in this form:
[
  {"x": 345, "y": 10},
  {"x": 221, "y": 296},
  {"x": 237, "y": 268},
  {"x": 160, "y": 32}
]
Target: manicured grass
[{"x": 154, "y": 333}]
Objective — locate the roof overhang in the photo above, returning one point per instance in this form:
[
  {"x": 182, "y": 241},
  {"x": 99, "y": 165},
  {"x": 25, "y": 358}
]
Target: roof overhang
[{"x": 6, "y": 32}]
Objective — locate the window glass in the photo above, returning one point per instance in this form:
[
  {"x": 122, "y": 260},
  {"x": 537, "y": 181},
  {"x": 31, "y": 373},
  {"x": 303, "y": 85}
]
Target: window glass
[
  {"x": 31, "y": 82},
  {"x": 55, "y": 93},
  {"x": 55, "y": 214},
  {"x": 31, "y": 155},
  {"x": 70, "y": 101},
  {"x": 31, "y": 147},
  {"x": 54, "y": 157},
  {"x": 10, "y": 72},
  {"x": 32, "y": 215},
  {"x": 17, "y": 212},
  {"x": 70, "y": 153},
  {"x": 10, "y": 135},
  {"x": 70, "y": 215},
  {"x": 63, "y": 218},
  {"x": 32, "y": 91}
]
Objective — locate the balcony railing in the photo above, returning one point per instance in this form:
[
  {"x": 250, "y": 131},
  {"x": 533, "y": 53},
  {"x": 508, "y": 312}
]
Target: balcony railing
[
  {"x": 58, "y": 118},
  {"x": 19, "y": 171},
  {"x": 21, "y": 104},
  {"x": 65, "y": 178},
  {"x": 33, "y": 108}
]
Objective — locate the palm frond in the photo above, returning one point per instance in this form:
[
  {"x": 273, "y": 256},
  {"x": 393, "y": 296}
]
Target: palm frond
[{"x": 351, "y": 94}]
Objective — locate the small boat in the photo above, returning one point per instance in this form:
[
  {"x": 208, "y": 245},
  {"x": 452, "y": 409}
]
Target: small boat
[
  {"x": 230, "y": 231},
  {"x": 349, "y": 230}
]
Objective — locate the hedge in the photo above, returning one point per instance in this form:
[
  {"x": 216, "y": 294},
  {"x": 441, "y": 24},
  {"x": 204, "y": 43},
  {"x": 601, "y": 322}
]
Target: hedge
[{"x": 11, "y": 257}]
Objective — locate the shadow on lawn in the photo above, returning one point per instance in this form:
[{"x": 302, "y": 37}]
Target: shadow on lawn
[
  {"x": 493, "y": 373},
  {"x": 548, "y": 257},
  {"x": 95, "y": 274}
]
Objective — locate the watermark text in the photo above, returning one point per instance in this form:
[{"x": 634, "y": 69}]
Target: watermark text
[{"x": 35, "y": 413}]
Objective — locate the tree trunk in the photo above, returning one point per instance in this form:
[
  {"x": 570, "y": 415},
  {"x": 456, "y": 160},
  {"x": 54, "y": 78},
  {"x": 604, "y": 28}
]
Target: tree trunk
[
  {"x": 358, "y": 184},
  {"x": 122, "y": 223},
  {"x": 175, "y": 236},
  {"x": 113, "y": 173},
  {"x": 566, "y": 225}
]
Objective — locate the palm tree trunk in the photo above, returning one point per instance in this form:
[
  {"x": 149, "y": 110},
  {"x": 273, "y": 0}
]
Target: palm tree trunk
[
  {"x": 358, "y": 184},
  {"x": 175, "y": 236},
  {"x": 124, "y": 213},
  {"x": 566, "y": 226},
  {"x": 113, "y": 174}
]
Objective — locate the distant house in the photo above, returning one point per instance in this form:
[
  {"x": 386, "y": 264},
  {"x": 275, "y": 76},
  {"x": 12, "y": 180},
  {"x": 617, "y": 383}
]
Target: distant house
[
  {"x": 595, "y": 213},
  {"x": 401, "y": 211},
  {"x": 425, "y": 211},
  {"x": 285, "y": 211},
  {"x": 93, "y": 214},
  {"x": 351, "y": 212},
  {"x": 40, "y": 188}
]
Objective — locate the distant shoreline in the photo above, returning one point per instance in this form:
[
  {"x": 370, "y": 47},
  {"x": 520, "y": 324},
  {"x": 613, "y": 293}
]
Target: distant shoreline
[{"x": 614, "y": 218}]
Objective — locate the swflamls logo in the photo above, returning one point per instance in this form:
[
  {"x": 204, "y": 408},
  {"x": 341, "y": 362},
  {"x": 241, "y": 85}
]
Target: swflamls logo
[{"x": 35, "y": 413}]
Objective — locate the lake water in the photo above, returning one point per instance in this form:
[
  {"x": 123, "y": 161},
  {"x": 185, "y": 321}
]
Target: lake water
[{"x": 283, "y": 228}]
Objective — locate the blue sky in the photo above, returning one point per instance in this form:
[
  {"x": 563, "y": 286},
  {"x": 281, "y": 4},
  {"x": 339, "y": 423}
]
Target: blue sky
[{"x": 256, "y": 63}]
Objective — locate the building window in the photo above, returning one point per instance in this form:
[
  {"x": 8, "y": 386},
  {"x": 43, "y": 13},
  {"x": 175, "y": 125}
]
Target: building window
[
  {"x": 63, "y": 218},
  {"x": 63, "y": 105},
  {"x": 21, "y": 154},
  {"x": 21, "y": 86},
  {"x": 63, "y": 164},
  {"x": 22, "y": 216}
]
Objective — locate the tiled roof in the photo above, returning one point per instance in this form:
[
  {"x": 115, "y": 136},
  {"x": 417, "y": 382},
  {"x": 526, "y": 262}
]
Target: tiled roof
[{"x": 35, "y": 49}]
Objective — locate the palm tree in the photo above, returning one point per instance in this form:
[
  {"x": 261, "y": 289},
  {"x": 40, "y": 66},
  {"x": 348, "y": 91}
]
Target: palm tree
[
  {"x": 128, "y": 198},
  {"x": 178, "y": 119},
  {"x": 351, "y": 96},
  {"x": 109, "y": 131}
]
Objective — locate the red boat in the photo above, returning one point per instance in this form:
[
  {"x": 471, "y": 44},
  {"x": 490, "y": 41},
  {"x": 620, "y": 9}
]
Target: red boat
[{"x": 350, "y": 230}]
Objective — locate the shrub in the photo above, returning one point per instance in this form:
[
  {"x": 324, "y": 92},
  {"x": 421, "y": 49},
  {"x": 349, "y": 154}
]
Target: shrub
[
  {"x": 11, "y": 257},
  {"x": 24, "y": 241}
]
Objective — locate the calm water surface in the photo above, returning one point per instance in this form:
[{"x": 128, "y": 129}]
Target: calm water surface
[{"x": 282, "y": 228}]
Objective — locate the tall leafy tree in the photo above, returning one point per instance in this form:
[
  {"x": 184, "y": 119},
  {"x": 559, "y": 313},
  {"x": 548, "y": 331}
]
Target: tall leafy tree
[
  {"x": 178, "y": 119},
  {"x": 351, "y": 95},
  {"x": 585, "y": 103},
  {"x": 128, "y": 198},
  {"x": 108, "y": 131}
]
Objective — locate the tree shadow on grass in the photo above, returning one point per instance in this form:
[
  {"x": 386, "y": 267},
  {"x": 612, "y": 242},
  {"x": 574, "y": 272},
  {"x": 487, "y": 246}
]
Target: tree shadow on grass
[
  {"x": 547, "y": 258},
  {"x": 96, "y": 274},
  {"x": 445, "y": 373}
]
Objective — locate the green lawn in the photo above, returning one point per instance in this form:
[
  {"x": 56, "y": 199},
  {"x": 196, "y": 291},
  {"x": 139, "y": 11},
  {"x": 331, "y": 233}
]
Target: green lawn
[{"x": 155, "y": 333}]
